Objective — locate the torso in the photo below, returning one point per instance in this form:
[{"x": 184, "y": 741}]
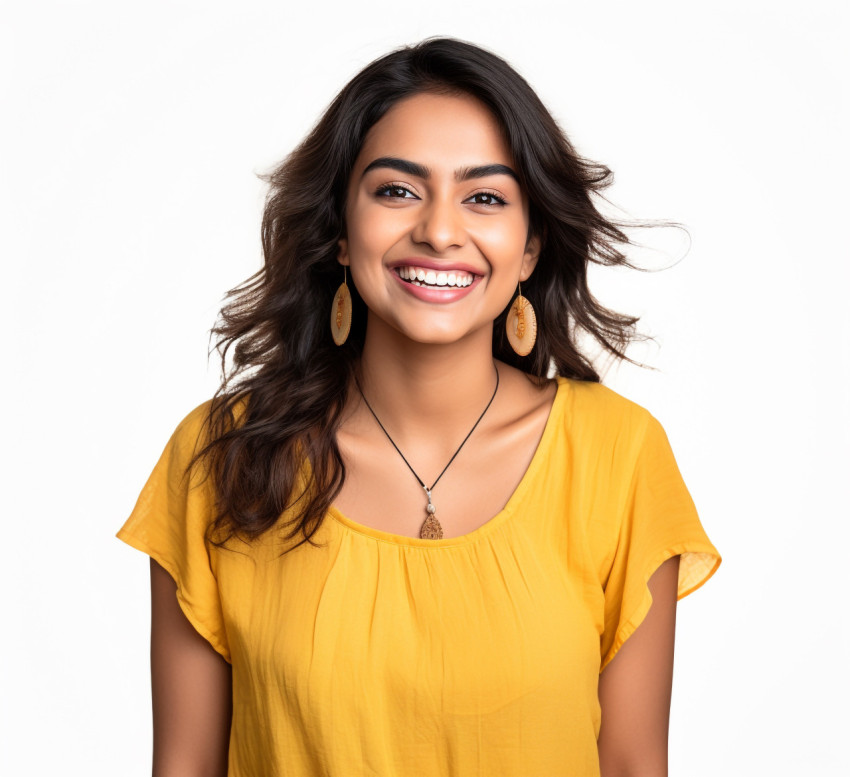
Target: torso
[{"x": 381, "y": 492}]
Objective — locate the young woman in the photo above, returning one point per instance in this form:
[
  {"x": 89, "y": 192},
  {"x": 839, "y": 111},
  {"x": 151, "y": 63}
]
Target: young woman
[{"x": 412, "y": 534}]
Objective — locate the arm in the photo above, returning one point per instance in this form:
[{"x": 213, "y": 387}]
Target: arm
[
  {"x": 636, "y": 686},
  {"x": 191, "y": 690}
]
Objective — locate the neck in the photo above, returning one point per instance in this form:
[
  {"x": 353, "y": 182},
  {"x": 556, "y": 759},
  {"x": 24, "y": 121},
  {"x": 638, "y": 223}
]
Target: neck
[{"x": 424, "y": 390}]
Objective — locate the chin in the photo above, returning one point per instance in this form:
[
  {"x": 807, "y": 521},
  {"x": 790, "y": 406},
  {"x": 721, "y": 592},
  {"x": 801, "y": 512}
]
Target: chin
[
  {"x": 427, "y": 330},
  {"x": 434, "y": 336}
]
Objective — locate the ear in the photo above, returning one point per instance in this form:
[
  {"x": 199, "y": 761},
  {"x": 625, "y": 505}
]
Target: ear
[
  {"x": 342, "y": 254},
  {"x": 530, "y": 257}
]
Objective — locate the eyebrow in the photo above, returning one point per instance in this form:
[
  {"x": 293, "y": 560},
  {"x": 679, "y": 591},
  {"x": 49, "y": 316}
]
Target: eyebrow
[{"x": 421, "y": 171}]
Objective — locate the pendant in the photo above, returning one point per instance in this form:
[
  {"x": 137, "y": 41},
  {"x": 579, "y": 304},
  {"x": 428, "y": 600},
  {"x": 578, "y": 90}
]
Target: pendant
[{"x": 431, "y": 529}]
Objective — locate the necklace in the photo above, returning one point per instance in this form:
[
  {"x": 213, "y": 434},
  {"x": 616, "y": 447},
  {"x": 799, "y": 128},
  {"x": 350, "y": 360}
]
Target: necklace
[{"x": 431, "y": 529}]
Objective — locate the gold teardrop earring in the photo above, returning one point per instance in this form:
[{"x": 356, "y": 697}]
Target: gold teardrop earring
[
  {"x": 521, "y": 325},
  {"x": 341, "y": 311}
]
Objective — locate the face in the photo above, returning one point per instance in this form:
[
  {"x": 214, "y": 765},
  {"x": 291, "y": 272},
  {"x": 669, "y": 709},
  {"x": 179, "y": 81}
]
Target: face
[{"x": 436, "y": 221}]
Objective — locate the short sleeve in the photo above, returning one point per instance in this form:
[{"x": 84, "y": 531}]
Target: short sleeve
[
  {"x": 169, "y": 523},
  {"x": 659, "y": 521}
]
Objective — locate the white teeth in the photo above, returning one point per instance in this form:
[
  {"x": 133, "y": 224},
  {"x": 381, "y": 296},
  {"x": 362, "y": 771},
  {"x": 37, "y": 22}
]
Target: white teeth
[{"x": 419, "y": 276}]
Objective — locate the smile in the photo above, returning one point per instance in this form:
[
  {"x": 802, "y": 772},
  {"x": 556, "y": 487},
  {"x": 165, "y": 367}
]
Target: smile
[
  {"x": 440, "y": 286},
  {"x": 419, "y": 276}
]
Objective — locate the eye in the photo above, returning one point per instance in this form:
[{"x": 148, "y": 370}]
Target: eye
[
  {"x": 394, "y": 191},
  {"x": 489, "y": 199}
]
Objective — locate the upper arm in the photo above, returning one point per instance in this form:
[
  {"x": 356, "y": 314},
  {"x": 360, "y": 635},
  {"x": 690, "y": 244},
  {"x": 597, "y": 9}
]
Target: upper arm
[
  {"x": 636, "y": 686},
  {"x": 191, "y": 690}
]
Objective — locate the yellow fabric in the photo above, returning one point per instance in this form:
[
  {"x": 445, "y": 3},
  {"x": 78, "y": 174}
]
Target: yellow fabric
[{"x": 379, "y": 654}]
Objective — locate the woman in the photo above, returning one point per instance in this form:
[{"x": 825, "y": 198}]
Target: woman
[{"x": 393, "y": 544}]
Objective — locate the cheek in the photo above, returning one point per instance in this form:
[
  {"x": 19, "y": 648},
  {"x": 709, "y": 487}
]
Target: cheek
[
  {"x": 371, "y": 232},
  {"x": 501, "y": 240}
]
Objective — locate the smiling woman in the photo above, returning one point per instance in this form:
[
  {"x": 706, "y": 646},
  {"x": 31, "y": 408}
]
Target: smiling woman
[
  {"x": 423, "y": 539},
  {"x": 445, "y": 203}
]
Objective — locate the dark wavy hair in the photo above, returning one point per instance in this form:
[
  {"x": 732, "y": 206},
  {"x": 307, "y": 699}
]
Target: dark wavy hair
[{"x": 275, "y": 415}]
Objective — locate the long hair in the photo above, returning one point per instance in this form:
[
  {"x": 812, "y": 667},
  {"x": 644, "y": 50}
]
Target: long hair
[{"x": 271, "y": 445}]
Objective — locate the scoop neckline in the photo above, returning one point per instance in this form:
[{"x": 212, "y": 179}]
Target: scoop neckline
[{"x": 493, "y": 523}]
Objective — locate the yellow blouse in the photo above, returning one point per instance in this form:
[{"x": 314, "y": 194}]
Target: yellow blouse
[{"x": 381, "y": 654}]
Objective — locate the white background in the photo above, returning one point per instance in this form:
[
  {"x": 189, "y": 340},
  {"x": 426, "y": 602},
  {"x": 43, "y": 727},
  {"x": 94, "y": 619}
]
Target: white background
[{"x": 131, "y": 137}]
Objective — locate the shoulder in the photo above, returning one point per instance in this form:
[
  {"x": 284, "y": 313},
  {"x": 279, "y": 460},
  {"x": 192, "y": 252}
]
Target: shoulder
[
  {"x": 189, "y": 434},
  {"x": 595, "y": 404},
  {"x": 184, "y": 467},
  {"x": 203, "y": 423},
  {"x": 603, "y": 423}
]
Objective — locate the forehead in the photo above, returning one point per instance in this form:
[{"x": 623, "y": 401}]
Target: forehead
[{"x": 443, "y": 132}]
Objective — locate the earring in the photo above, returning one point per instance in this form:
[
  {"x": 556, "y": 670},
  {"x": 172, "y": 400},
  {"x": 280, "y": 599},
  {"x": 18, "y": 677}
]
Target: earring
[
  {"x": 341, "y": 312},
  {"x": 521, "y": 325}
]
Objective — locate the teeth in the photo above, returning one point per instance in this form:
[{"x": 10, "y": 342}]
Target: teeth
[{"x": 419, "y": 276}]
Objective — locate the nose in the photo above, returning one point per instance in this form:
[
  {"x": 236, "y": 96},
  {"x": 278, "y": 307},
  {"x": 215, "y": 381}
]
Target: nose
[{"x": 440, "y": 225}]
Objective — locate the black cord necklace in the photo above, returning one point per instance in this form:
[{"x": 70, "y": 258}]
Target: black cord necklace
[{"x": 431, "y": 529}]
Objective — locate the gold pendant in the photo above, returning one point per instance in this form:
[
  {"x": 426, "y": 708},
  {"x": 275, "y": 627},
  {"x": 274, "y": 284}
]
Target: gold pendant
[{"x": 431, "y": 529}]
